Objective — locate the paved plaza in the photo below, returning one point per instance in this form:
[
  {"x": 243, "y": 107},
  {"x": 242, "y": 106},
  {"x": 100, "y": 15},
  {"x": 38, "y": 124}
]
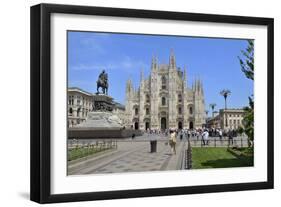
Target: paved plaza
[{"x": 133, "y": 155}]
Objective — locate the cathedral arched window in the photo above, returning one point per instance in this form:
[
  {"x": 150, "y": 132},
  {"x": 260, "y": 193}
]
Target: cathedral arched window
[
  {"x": 147, "y": 98},
  {"x": 180, "y": 98},
  {"x": 190, "y": 110},
  {"x": 163, "y": 101},
  {"x": 164, "y": 82},
  {"x": 136, "y": 111},
  {"x": 179, "y": 110},
  {"x": 70, "y": 111},
  {"x": 147, "y": 111}
]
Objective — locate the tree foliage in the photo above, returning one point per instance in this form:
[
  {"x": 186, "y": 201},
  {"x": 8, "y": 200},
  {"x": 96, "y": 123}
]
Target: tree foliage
[
  {"x": 247, "y": 67},
  {"x": 248, "y": 121},
  {"x": 247, "y": 63}
]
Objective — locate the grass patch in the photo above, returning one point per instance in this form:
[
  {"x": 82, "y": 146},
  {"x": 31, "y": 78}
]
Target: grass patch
[
  {"x": 80, "y": 152},
  {"x": 220, "y": 157}
]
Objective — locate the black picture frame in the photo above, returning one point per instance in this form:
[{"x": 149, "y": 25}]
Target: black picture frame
[{"x": 41, "y": 102}]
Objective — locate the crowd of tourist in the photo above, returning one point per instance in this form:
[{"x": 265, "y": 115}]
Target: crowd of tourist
[{"x": 199, "y": 134}]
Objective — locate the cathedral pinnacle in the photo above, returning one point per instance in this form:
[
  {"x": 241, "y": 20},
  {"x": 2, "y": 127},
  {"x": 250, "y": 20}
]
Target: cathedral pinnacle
[
  {"x": 184, "y": 77},
  {"x": 141, "y": 75},
  {"x": 154, "y": 63},
  {"x": 172, "y": 62}
]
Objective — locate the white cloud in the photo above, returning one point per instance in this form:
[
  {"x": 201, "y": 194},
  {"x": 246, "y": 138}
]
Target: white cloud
[
  {"x": 127, "y": 65},
  {"x": 94, "y": 45}
]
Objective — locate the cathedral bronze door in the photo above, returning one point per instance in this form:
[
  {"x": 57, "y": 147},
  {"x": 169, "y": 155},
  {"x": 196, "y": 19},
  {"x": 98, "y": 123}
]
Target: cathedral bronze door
[
  {"x": 147, "y": 125},
  {"x": 191, "y": 125},
  {"x": 180, "y": 125},
  {"x": 163, "y": 123},
  {"x": 136, "y": 125}
]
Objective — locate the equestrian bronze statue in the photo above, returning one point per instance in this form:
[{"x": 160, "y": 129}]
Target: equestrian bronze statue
[{"x": 102, "y": 82}]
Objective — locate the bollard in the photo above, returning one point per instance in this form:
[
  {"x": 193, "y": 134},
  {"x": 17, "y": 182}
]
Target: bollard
[{"x": 153, "y": 146}]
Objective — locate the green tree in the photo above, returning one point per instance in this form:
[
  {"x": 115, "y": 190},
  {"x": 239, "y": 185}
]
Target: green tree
[
  {"x": 247, "y": 63},
  {"x": 248, "y": 122},
  {"x": 247, "y": 67}
]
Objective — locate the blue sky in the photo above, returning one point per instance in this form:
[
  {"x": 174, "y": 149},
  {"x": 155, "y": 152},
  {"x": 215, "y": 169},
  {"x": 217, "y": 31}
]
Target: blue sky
[{"x": 123, "y": 56}]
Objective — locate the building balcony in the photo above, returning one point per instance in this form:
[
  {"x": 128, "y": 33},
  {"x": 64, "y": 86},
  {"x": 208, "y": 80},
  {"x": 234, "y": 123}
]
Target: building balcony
[
  {"x": 163, "y": 106},
  {"x": 180, "y": 116},
  {"x": 147, "y": 116}
]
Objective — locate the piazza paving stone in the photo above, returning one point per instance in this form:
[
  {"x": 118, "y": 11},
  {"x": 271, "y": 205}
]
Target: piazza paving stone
[{"x": 134, "y": 156}]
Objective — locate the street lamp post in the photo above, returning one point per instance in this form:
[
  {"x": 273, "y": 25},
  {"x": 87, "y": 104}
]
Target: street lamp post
[
  {"x": 206, "y": 120},
  {"x": 212, "y": 106},
  {"x": 225, "y": 93}
]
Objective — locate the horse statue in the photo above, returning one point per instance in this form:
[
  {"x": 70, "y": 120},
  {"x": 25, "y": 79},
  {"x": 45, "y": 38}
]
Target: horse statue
[{"x": 102, "y": 82}]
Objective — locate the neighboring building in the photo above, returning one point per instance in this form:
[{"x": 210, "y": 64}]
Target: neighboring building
[
  {"x": 164, "y": 101},
  {"x": 214, "y": 122},
  {"x": 80, "y": 103},
  {"x": 231, "y": 118},
  {"x": 215, "y": 113}
]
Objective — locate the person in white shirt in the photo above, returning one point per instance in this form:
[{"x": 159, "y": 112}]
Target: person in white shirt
[
  {"x": 173, "y": 140},
  {"x": 220, "y": 134},
  {"x": 205, "y": 137}
]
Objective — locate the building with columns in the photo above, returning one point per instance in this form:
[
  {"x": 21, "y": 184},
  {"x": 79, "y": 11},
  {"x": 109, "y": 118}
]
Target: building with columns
[
  {"x": 231, "y": 118},
  {"x": 164, "y": 100},
  {"x": 227, "y": 119},
  {"x": 79, "y": 104}
]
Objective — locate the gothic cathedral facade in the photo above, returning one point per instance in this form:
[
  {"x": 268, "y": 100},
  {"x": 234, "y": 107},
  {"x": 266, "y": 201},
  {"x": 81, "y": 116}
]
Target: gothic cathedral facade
[{"x": 163, "y": 100}]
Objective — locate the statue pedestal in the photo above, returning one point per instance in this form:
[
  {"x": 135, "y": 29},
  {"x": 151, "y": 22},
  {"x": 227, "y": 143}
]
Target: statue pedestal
[
  {"x": 101, "y": 125},
  {"x": 102, "y": 102},
  {"x": 101, "y": 120}
]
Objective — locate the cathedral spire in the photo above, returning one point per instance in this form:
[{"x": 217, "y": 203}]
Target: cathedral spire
[
  {"x": 197, "y": 85},
  {"x": 172, "y": 61},
  {"x": 154, "y": 63},
  {"x": 141, "y": 75},
  {"x": 129, "y": 85},
  {"x": 201, "y": 87},
  {"x": 184, "y": 77},
  {"x": 193, "y": 85}
]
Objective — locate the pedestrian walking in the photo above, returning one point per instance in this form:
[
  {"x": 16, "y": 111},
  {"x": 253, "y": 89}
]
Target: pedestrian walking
[
  {"x": 197, "y": 134},
  {"x": 188, "y": 134},
  {"x": 230, "y": 137},
  {"x": 173, "y": 140},
  {"x": 181, "y": 134},
  {"x": 205, "y": 137},
  {"x": 220, "y": 134}
]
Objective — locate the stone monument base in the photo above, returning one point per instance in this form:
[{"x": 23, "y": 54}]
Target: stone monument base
[
  {"x": 90, "y": 133},
  {"x": 101, "y": 120},
  {"x": 101, "y": 124}
]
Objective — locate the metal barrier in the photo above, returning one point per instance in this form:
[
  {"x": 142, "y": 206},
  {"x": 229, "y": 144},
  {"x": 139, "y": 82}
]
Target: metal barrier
[
  {"x": 188, "y": 156},
  {"x": 81, "y": 149},
  {"x": 217, "y": 142}
]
